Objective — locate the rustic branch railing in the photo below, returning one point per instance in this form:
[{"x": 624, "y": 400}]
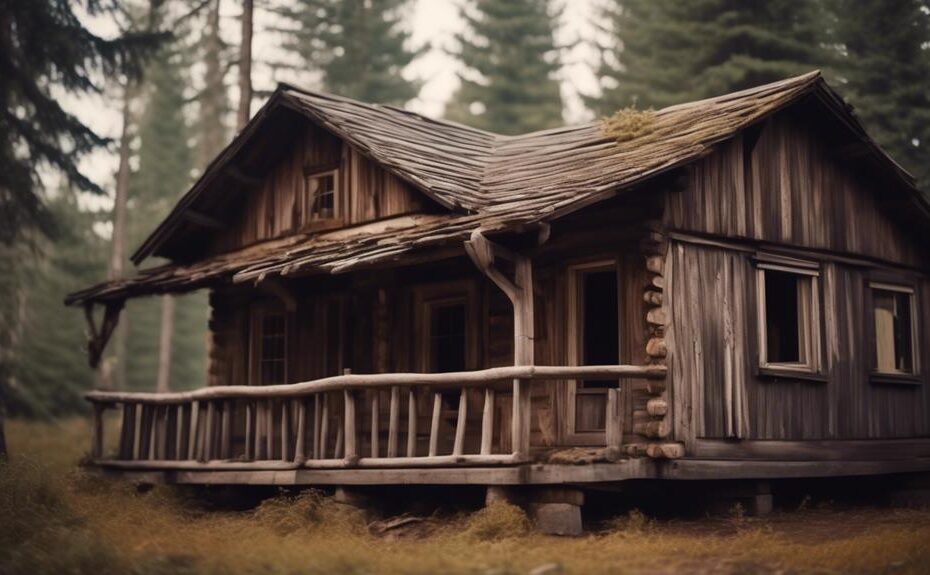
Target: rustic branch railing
[{"x": 303, "y": 425}]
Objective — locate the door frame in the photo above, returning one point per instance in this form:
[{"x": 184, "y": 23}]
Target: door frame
[{"x": 573, "y": 341}]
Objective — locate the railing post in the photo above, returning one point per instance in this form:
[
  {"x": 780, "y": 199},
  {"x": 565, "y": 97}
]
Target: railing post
[
  {"x": 412, "y": 422},
  {"x": 434, "y": 424},
  {"x": 300, "y": 444},
  {"x": 458, "y": 446},
  {"x": 487, "y": 422},
  {"x": 285, "y": 430},
  {"x": 375, "y": 421},
  {"x": 393, "y": 421},
  {"x": 226, "y": 430},
  {"x": 96, "y": 447},
  {"x": 350, "y": 437},
  {"x": 614, "y": 427},
  {"x": 520, "y": 429}
]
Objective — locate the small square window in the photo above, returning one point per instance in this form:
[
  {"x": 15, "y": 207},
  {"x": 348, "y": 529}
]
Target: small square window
[
  {"x": 789, "y": 313},
  {"x": 320, "y": 196},
  {"x": 895, "y": 329}
]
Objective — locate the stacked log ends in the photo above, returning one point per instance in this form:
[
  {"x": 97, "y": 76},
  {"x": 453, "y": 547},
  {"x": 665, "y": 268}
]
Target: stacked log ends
[
  {"x": 665, "y": 450},
  {"x": 653, "y": 422}
]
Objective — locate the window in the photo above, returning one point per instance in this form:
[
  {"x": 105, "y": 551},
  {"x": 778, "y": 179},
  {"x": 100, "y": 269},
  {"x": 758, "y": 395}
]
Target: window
[
  {"x": 789, "y": 318},
  {"x": 595, "y": 340},
  {"x": 320, "y": 196},
  {"x": 895, "y": 329},
  {"x": 448, "y": 337},
  {"x": 269, "y": 347}
]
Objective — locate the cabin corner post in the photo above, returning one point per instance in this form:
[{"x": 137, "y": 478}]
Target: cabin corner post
[
  {"x": 655, "y": 421},
  {"x": 519, "y": 291}
]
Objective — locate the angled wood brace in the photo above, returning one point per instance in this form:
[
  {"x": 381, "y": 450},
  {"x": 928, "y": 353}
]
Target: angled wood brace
[{"x": 97, "y": 339}]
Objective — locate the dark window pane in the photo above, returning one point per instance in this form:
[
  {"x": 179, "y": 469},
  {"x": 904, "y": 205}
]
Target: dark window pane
[
  {"x": 782, "y": 333},
  {"x": 273, "y": 349},
  {"x": 447, "y": 335},
  {"x": 600, "y": 332}
]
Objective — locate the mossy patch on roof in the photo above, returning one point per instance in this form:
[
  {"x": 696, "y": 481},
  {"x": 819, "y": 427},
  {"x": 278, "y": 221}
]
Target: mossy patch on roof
[{"x": 629, "y": 124}]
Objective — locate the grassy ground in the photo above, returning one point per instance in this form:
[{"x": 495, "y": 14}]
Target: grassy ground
[{"x": 56, "y": 519}]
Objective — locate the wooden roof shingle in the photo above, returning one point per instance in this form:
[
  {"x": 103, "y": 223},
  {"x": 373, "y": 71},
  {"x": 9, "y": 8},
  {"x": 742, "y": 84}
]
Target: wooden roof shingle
[{"x": 486, "y": 180}]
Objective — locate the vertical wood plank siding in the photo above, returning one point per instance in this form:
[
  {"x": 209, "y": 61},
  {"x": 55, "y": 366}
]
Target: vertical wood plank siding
[
  {"x": 784, "y": 184},
  {"x": 365, "y": 192},
  {"x": 789, "y": 187}
]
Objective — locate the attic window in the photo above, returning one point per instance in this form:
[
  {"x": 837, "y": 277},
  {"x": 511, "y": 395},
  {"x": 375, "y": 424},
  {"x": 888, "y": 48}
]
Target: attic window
[
  {"x": 320, "y": 195},
  {"x": 789, "y": 312},
  {"x": 895, "y": 329}
]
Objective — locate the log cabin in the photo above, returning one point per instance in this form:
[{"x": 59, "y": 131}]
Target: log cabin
[{"x": 739, "y": 290}]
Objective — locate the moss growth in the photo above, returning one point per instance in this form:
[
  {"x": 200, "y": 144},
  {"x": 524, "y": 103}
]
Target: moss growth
[{"x": 629, "y": 124}]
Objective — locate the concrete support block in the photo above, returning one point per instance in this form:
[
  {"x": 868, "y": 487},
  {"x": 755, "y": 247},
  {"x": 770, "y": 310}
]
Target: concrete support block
[
  {"x": 556, "y": 510},
  {"x": 557, "y": 518},
  {"x": 353, "y": 497}
]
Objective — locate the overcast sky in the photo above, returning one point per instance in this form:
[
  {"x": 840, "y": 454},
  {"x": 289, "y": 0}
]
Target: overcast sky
[{"x": 431, "y": 21}]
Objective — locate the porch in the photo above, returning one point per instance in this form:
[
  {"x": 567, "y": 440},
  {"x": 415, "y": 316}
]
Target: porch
[{"x": 358, "y": 427}]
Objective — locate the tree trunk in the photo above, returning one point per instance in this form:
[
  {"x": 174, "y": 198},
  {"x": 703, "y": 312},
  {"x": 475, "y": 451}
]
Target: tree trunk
[
  {"x": 245, "y": 66},
  {"x": 3, "y": 455},
  {"x": 114, "y": 376},
  {"x": 164, "y": 345}
]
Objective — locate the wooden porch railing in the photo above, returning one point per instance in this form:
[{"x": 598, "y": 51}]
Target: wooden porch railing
[{"x": 296, "y": 425}]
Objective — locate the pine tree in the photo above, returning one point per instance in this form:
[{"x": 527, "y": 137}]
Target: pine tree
[
  {"x": 886, "y": 68},
  {"x": 49, "y": 370},
  {"x": 164, "y": 173},
  {"x": 43, "y": 46},
  {"x": 666, "y": 52},
  {"x": 511, "y": 59},
  {"x": 360, "y": 47},
  {"x": 212, "y": 126}
]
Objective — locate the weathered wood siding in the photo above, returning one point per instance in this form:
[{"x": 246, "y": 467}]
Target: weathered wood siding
[
  {"x": 790, "y": 187},
  {"x": 365, "y": 192},
  {"x": 713, "y": 358}
]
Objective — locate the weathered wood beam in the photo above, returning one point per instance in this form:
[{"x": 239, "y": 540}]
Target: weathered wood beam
[
  {"x": 478, "y": 378},
  {"x": 203, "y": 220}
]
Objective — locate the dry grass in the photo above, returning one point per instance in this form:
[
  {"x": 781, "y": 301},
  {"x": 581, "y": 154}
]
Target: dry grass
[{"x": 59, "y": 520}]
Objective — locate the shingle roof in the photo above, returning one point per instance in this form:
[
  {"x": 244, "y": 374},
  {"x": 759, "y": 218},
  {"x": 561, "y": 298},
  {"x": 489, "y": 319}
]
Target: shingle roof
[{"x": 486, "y": 180}]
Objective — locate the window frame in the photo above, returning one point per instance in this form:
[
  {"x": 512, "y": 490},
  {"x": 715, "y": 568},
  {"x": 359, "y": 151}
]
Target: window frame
[
  {"x": 875, "y": 375},
  {"x": 432, "y": 295},
  {"x": 810, "y": 327},
  {"x": 575, "y": 344},
  {"x": 307, "y": 199},
  {"x": 257, "y": 314}
]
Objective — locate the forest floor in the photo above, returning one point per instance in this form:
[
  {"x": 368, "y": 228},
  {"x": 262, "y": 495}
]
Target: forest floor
[{"x": 55, "y": 518}]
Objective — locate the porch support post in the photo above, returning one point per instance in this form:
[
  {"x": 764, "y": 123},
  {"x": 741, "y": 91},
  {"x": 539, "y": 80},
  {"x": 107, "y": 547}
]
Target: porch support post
[{"x": 519, "y": 291}]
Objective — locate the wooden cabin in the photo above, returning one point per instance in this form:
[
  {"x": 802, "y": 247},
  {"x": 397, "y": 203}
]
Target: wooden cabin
[{"x": 740, "y": 292}]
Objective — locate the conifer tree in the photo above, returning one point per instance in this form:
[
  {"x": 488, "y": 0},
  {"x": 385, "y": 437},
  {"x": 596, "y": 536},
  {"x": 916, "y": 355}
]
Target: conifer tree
[
  {"x": 49, "y": 371},
  {"x": 666, "y": 51},
  {"x": 213, "y": 101},
  {"x": 44, "y": 46},
  {"x": 886, "y": 72},
  {"x": 164, "y": 174},
  {"x": 360, "y": 47},
  {"x": 511, "y": 60}
]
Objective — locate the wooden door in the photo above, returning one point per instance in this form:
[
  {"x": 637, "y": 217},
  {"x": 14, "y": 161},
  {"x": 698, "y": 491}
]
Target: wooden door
[{"x": 593, "y": 319}]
